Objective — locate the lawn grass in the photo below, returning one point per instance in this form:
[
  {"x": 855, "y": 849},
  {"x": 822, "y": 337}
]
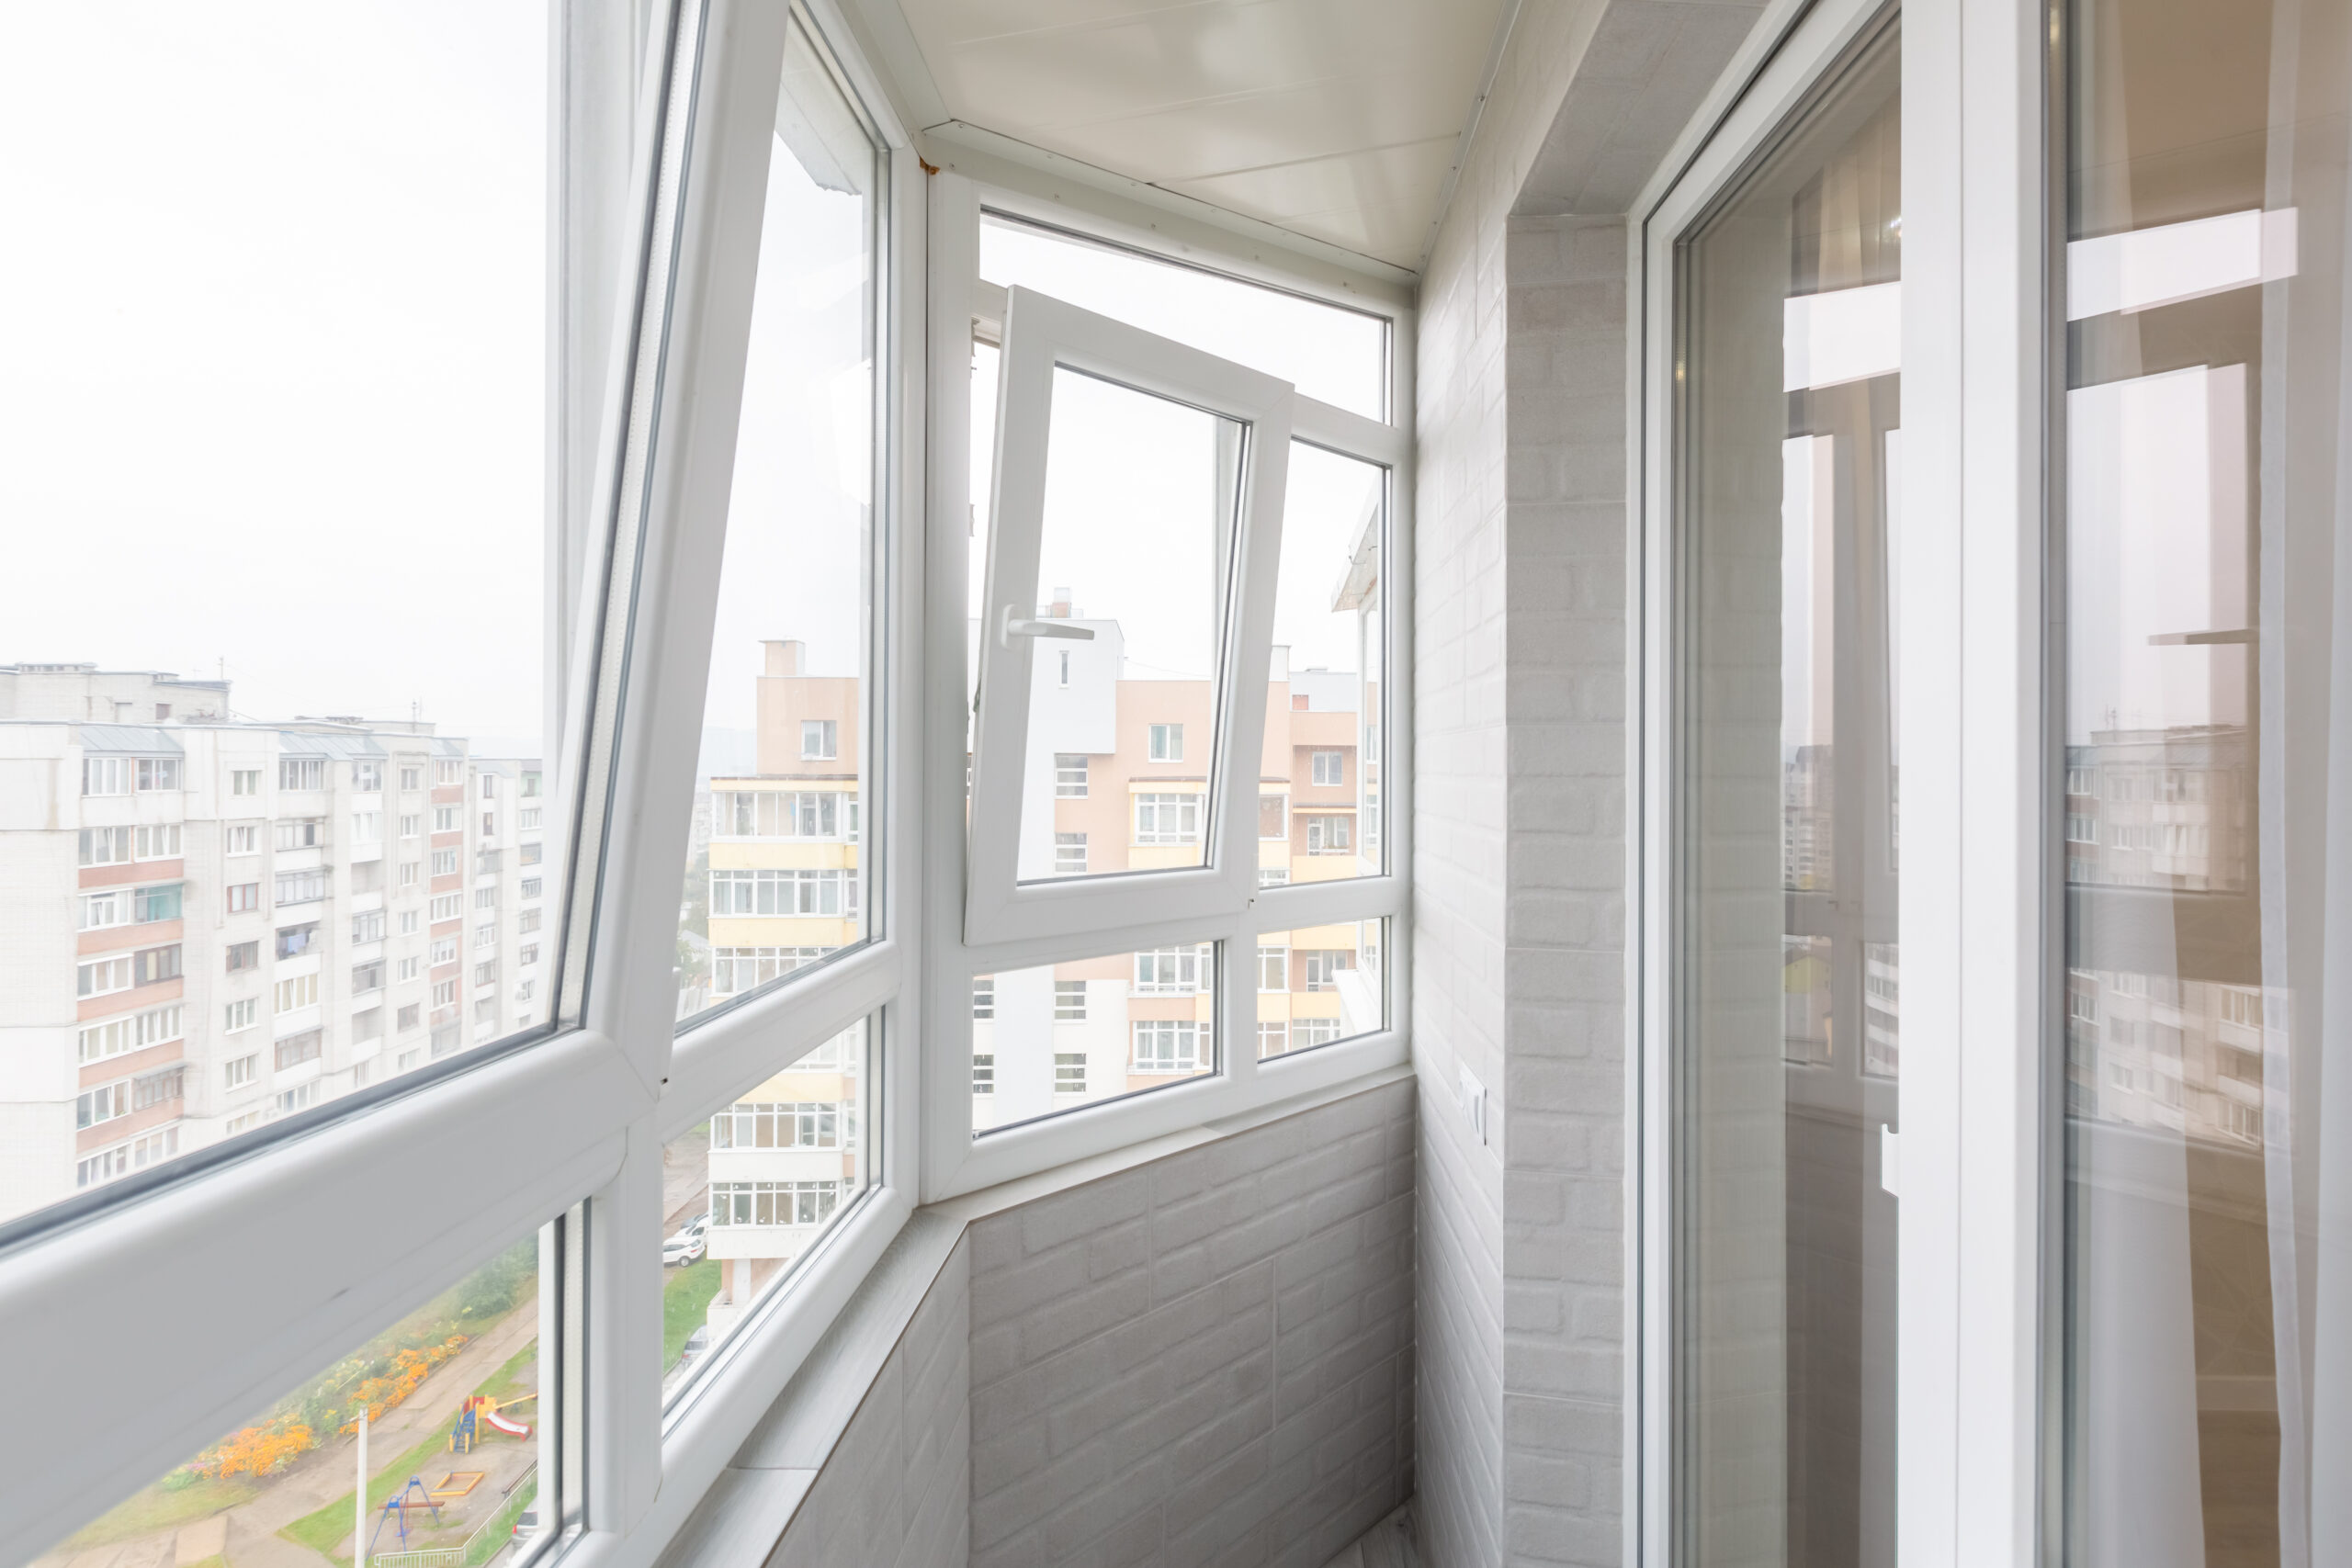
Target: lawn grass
[
  {"x": 685, "y": 1305},
  {"x": 155, "y": 1507},
  {"x": 321, "y": 1530},
  {"x": 501, "y": 1527},
  {"x": 503, "y": 1383}
]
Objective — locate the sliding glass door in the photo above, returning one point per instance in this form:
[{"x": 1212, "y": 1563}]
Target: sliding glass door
[
  {"x": 1784, "y": 1038},
  {"x": 2208, "y": 785}
]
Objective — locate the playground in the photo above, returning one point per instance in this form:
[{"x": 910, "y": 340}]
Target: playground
[{"x": 451, "y": 1458}]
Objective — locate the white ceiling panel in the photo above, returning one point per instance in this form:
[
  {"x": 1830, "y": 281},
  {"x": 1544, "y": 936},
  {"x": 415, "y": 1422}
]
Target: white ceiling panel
[{"x": 1336, "y": 119}]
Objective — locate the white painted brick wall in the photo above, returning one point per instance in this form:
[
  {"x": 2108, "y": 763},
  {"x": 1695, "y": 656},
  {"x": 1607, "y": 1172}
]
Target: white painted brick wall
[
  {"x": 1520, "y": 818},
  {"x": 1206, "y": 1358}
]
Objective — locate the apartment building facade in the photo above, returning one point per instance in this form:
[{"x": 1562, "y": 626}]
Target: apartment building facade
[{"x": 212, "y": 923}]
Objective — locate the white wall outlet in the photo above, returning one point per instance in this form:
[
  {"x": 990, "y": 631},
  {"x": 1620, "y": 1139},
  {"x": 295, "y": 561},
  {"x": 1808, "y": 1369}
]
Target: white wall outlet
[{"x": 1473, "y": 1096}]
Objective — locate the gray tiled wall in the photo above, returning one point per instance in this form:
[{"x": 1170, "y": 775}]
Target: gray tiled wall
[
  {"x": 1206, "y": 1358},
  {"x": 895, "y": 1490}
]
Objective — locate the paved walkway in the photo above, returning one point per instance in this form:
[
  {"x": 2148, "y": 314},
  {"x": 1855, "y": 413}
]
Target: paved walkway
[{"x": 328, "y": 1472}]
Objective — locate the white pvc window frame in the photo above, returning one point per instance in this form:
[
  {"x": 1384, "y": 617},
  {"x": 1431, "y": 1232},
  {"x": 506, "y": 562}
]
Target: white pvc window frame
[
  {"x": 1978, "y": 1454},
  {"x": 1042, "y": 337},
  {"x": 965, "y": 310},
  {"x": 673, "y": 101}
]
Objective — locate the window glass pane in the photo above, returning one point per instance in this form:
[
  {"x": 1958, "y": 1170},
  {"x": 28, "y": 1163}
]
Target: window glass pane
[
  {"x": 1135, "y": 551},
  {"x": 1324, "y": 704},
  {"x": 775, "y": 875},
  {"x": 1785, "y": 1251},
  {"x": 2208, "y": 815},
  {"x": 450, "y": 1394},
  {"x": 1320, "y": 985},
  {"x": 1063, "y": 1035},
  {"x": 280, "y": 468},
  {"x": 1337, "y": 355},
  {"x": 745, "y": 1193}
]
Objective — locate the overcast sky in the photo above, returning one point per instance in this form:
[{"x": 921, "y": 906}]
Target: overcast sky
[
  {"x": 274, "y": 392},
  {"x": 277, "y": 397}
]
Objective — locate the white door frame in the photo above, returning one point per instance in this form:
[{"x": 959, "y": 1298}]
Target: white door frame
[{"x": 1974, "y": 1188}]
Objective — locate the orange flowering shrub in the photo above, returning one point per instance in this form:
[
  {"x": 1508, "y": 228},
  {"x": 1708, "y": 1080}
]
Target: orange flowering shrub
[
  {"x": 398, "y": 1380},
  {"x": 257, "y": 1450}
]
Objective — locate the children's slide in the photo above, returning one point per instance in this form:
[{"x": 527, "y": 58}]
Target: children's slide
[{"x": 511, "y": 1429}]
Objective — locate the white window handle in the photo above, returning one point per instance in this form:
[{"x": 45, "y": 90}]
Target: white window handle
[{"x": 1014, "y": 628}]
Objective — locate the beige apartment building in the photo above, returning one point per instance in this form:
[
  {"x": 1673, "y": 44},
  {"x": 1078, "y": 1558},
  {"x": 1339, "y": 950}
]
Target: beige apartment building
[{"x": 207, "y": 923}]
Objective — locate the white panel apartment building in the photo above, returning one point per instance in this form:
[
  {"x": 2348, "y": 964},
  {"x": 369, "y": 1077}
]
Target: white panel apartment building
[{"x": 208, "y": 924}]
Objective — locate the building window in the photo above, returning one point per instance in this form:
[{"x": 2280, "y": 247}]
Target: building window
[
  {"x": 1325, "y": 766},
  {"x": 411, "y": 776},
  {"x": 1167, "y": 1045},
  {"x": 243, "y": 838},
  {"x": 244, "y": 897},
  {"x": 158, "y": 772},
  {"x": 161, "y": 842},
  {"x": 295, "y": 941},
  {"x": 302, "y": 886},
  {"x": 412, "y": 824},
  {"x": 783, "y": 892},
  {"x": 301, "y": 772},
  {"x": 239, "y": 1015},
  {"x": 366, "y": 778},
  {"x": 1307, "y": 1031},
  {"x": 367, "y": 977},
  {"x": 243, "y": 956},
  {"x": 302, "y": 833},
  {"x": 239, "y": 1073},
  {"x": 529, "y": 921},
  {"x": 530, "y": 783},
  {"x": 1167, "y": 743},
  {"x": 1274, "y": 968},
  {"x": 488, "y": 863},
  {"x": 486, "y": 973},
  {"x": 300, "y": 1097},
  {"x": 734, "y": 970},
  {"x": 490, "y": 786},
  {"x": 159, "y": 903},
  {"x": 819, "y": 739},
  {"x": 102, "y": 977},
  {"x": 297, "y": 1049},
  {"x": 157, "y": 1089},
  {"x": 105, "y": 775},
  {"x": 485, "y": 897},
  {"x": 783, "y": 814},
  {"x": 1273, "y": 817},
  {"x": 1168, "y": 818},
  {"x": 446, "y": 820},
  {"x": 528, "y": 854},
  {"x": 410, "y": 1016},
  {"x": 115, "y": 1036},
  {"x": 103, "y": 1104},
  {"x": 769, "y": 1124},
  {"x": 1069, "y": 1001},
  {"x": 245, "y": 780},
  {"x": 445, "y": 863},
  {"x": 100, "y": 910},
  {"x": 408, "y": 873},
  {"x": 366, "y": 827},
  {"x": 1070, "y": 854},
  {"x": 1069, "y": 773},
  {"x": 1327, "y": 835},
  {"x": 489, "y": 824},
  {"x": 485, "y": 936},
  {"x": 105, "y": 846},
  {"x": 1174, "y": 971},
  {"x": 530, "y": 887},
  {"x": 486, "y": 1010},
  {"x": 445, "y": 993},
  {"x": 448, "y": 772},
  {"x": 302, "y": 991},
  {"x": 527, "y": 819},
  {"x": 1070, "y": 1072},
  {"x": 983, "y": 1072},
  {"x": 773, "y": 1202},
  {"x": 406, "y": 968},
  {"x": 1324, "y": 966},
  {"x": 368, "y": 926},
  {"x": 983, "y": 998},
  {"x": 529, "y": 955}
]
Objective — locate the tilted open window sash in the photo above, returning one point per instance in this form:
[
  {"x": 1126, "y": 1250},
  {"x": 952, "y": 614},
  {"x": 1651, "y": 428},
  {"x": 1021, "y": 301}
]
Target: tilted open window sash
[{"x": 1151, "y": 476}]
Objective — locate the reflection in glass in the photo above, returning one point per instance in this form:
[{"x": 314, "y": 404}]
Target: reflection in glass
[
  {"x": 1787, "y": 1007},
  {"x": 2208, "y": 820},
  {"x": 1062, "y": 1035},
  {"x": 1320, "y": 985},
  {"x": 271, "y": 617},
  {"x": 453, "y": 1439},
  {"x": 775, "y": 871},
  {"x": 746, "y": 1193},
  {"x": 1135, "y": 564}
]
